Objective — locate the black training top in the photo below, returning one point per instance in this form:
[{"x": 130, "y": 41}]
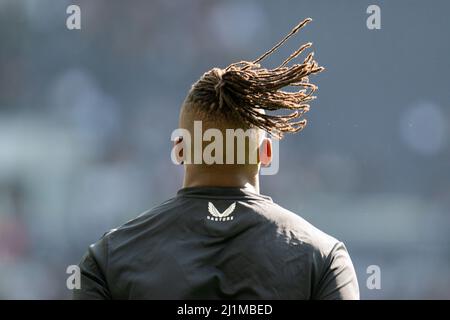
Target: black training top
[{"x": 217, "y": 243}]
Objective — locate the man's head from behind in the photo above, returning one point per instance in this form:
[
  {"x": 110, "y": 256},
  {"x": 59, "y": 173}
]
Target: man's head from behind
[{"x": 227, "y": 105}]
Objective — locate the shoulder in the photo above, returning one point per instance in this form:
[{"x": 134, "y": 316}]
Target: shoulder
[
  {"x": 295, "y": 229},
  {"x": 331, "y": 269},
  {"x": 131, "y": 230}
]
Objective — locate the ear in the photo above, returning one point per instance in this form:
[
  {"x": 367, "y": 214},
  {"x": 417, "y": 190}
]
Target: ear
[
  {"x": 178, "y": 149},
  {"x": 265, "y": 152}
]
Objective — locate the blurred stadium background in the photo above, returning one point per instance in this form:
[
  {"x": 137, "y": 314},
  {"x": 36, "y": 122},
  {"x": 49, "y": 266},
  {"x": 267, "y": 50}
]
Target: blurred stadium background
[{"x": 86, "y": 118}]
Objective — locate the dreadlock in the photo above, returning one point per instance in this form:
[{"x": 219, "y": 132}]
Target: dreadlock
[{"x": 245, "y": 90}]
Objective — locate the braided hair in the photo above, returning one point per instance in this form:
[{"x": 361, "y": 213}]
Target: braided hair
[{"x": 244, "y": 91}]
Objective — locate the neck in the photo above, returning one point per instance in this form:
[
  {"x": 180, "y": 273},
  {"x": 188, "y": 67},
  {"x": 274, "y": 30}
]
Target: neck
[{"x": 200, "y": 177}]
